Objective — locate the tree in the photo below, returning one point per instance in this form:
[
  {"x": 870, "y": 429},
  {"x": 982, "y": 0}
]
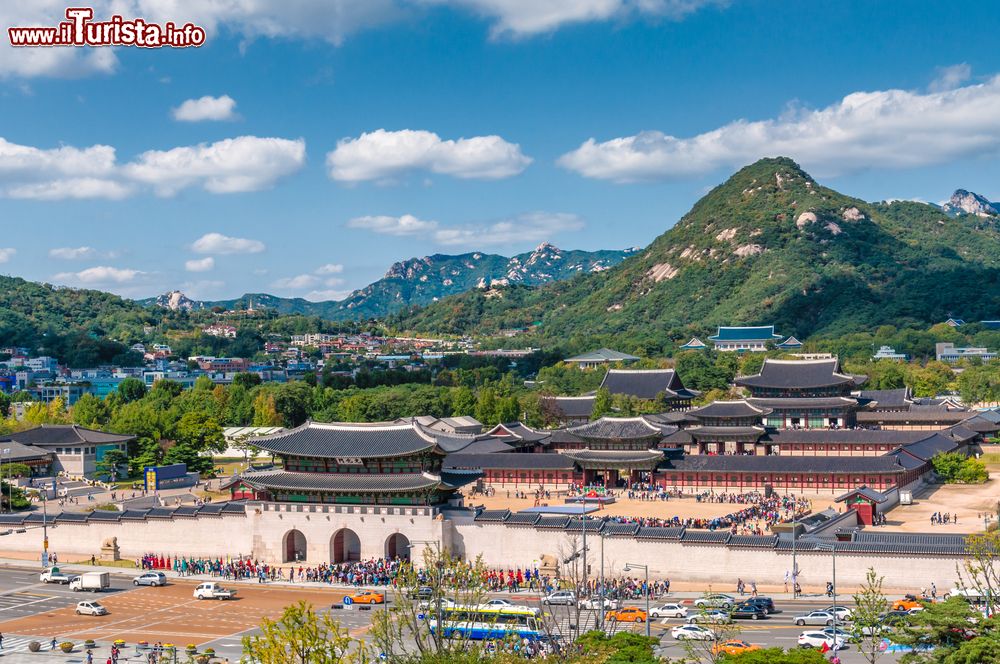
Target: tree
[
  {"x": 869, "y": 613},
  {"x": 196, "y": 437},
  {"x": 264, "y": 412},
  {"x": 301, "y": 636},
  {"x": 247, "y": 380},
  {"x": 941, "y": 626},
  {"x": 89, "y": 411},
  {"x": 956, "y": 468},
  {"x": 982, "y": 572},
  {"x": 705, "y": 651},
  {"x": 603, "y": 404},
  {"x": 132, "y": 389},
  {"x": 508, "y": 410},
  {"x": 111, "y": 463},
  {"x": 486, "y": 406}
]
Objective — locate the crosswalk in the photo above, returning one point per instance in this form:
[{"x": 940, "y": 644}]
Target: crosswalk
[{"x": 12, "y": 644}]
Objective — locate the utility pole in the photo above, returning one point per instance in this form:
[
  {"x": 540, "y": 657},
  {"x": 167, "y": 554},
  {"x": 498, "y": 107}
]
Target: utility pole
[{"x": 600, "y": 615}]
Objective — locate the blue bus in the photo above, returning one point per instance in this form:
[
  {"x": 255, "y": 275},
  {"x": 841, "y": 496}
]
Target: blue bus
[{"x": 481, "y": 622}]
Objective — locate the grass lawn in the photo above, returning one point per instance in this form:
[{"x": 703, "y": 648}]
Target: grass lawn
[{"x": 126, "y": 564}]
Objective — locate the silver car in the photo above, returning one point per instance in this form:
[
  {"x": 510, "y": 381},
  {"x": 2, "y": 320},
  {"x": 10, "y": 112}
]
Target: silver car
[
  {"x": 150, "y": 579},
  {"x": 814, "y": 618},
  {"x": 565, "y": 597}
]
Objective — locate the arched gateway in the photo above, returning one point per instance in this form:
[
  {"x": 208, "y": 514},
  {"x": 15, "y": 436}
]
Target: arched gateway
[
  {"x": 397, "y": 545},
  {"x": 345, "y": 546},
  {"x": 294, "y": 547}
]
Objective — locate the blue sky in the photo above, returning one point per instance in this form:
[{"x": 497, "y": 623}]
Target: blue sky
[{"x": 332, "y": 144}]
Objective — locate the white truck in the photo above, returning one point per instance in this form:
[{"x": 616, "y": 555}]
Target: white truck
[
  {"x": 92, "y": 581},
  {"x": 212, "y": 590}
]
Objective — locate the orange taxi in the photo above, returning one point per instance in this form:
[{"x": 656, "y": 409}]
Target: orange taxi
[
  {"x": 909, "y": 602},
  {"x": 366, "y": 597},
  {"x": 627, "y": 614},
  {"x": 733, "y": 647}
]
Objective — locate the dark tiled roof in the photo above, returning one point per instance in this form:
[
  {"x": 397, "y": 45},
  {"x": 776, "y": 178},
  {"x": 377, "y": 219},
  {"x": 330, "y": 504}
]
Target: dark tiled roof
[
  {"x": 888, "y": 398},
  {"x": 571, "y": 406},
  {"x": 527, "y": 461},
  {"x": 864, "y": 491},
  {"x": 981, "y": 425},
  {"x": 37, "y": 517},
  {"x": 660, "y": 533},
  {"x": 936, "y": 444},
  {"x": 727, "y": 410},
  {"x": 455, "y": 477},
  {"x": 16, "y": 452},
  {"x": 211, "y": 509},
  {"x": 612, "y": 529},
  {"x": 713, "y": 536},
  {"x": 58, "y": 435},
  {"x": 576, "y": 524},
  {"x": 186, "y": 511},
  {"x": 602, "y": 355},
  {"x": 748, "y": 434},
  {"x": 776, "y": 403},
  {"x": 753, "y": 541},
  {"x": 679, "y": 437},
  {"x": 13, "y": 519},
  {"x": 64, "y": 517},
  {"x": 787, "y": 464},
  {"x": 848, "y": 436},
  {"x": 960, "y": 434},
  {"x": 613, "y": 456},
  {"x": 923, "y": 539},
  {"x": 105, "y": 515},
  {"x": 907, "y": 461},
  {"x": 525, "y": 519},
  {"x": 563, "y": 436},
  {"x": 519, "y": 431},
  {"x": 551, "y": 522},
  {"x": 492, "y": 516},
  {"x": 314, "y": 439},
  {"x": 909, "y": 416},
  {"x": 160, "y": 513},
  {"x": 234, "y": 507},
  {"x": 671, "y": 417},
  {"x": 645, "y": 383},
  {"x": 616, "y": 428},
  {"x": 134, "y": 515},
  {"x": 340, "y": 482},
  {"x": 798, "y": 374}
]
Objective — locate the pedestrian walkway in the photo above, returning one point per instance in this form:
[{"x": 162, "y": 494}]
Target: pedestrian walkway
[{"x": 13, "y": 643}]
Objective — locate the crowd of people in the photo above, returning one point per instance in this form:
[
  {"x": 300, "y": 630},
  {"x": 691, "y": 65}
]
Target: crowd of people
[{"x": 941, "y": 518}]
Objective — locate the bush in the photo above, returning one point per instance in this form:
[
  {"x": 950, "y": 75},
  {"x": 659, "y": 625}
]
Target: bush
[
  {"x": 955, "y": 468},
  {"x": 66, "y": 646}
]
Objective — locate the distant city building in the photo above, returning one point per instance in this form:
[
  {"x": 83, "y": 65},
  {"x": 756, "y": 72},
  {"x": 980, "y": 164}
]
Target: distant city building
[
  {"x": 889, "y": 353},
  {"x": 990, "y": 324},
  {"x": 598, "y": 357},
  {"x": 948, "y": 352},
  {"x": 694, "y": 344},
  {"x": 955, "y": 322},
  {"x": 753, "y": 339},
  {"x": 224, "y": 331}
]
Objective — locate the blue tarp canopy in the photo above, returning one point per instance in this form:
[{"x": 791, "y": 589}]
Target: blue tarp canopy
[{"x": 561, "y": 509}]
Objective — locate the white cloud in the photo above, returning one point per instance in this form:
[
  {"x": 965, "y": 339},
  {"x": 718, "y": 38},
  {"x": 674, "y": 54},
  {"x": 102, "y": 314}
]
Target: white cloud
[
  {"x": 6, "y": 254},
  {"x": 99, "y": 275},
  {"x": 71, "y": 188},
  {"x": 528, "y": 228},
  {"x": 72, "y": 253},
  {"x": 529, "y": 17},
  {"x": 330, "y": 268},
  {"x": 219, "y": 244},
  {"x": 406, "y": 224},
  {"x": 382, "y": 154},
  {"x": 882, "y": 129},
  {"x": 200, "y": 264},
  {"x": 206, "y": 108},
  {"x": 951, "y": 77},
  {"x": 246, "y": 163},
  {"x": 298, "y": 282}
]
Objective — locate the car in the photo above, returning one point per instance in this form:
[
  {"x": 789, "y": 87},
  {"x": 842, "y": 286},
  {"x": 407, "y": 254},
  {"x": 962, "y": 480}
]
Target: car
[
  {"x": 631, "y": 614},
  {"x": 748, "y": 610},
  {"x": 53, "y": 575},
  {"x": 431, "y": 605},
  {"x": 564, "y": 597},
  {"x": 90, "y": 608},
  {"x": 596, "y": 604},
  {"x": 818, "y": 640},
  {"x": 669, "y": 611},
  {"x": 423, "y": 592},
  {"x": 692, "y": 633},
  {"x": 909, "y": 603},
  {"x": 714, "y": 616},
  {"x": 716, "y": 601},
  {"x": 765, "y": 602},
  {"x": 733, "y": 647},
  {"x": 842, "y": 612},
  {"x": 366, "y": 597},
  {"x": 150, "y": 579},
  {"x": 839, "y": 632},
  {"x": 814, "y": 618},
  {"x": 498, "y": 603}
]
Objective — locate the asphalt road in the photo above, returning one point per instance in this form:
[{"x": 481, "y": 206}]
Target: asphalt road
[{"x": 22, "y": 595}]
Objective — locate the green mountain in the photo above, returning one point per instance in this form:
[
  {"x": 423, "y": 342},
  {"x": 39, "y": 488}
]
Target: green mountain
[
  {"x": 424, "y": 280},
  {"x": 770, "y": 245}
]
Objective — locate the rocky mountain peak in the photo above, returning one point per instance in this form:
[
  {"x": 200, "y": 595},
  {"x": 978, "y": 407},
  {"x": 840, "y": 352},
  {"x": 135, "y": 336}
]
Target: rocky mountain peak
[
  {"x": 968, "y": 202},
  {"x": 176, "y": 301}
]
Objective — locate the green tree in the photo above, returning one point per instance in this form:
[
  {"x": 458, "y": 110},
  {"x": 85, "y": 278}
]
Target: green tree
[
  {"x": 111, "y": 463},
  {"x": 508, "y": 410},
  {"x": 957, "y": 468},
  {"x": 868, "y": 616},
  {"x": 196, "y": 437},
  {"x": 265, "y": 414},
  {"x": 486, "y": 406},
  {"x": 603, "y": 404},
  {"x": 89, "y": 411},
  {"x": 302, "y": 636},
  {"x": 131, "y": 389}
]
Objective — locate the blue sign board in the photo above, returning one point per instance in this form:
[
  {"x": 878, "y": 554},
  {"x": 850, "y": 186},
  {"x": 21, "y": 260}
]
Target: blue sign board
[{"x": 348, "y": 601}]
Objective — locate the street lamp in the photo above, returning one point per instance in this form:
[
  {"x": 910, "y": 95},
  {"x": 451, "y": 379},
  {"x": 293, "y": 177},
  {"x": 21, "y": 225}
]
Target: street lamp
[
  {"x": 832, "y": 548},
  {"x": 628, "y": 568}
]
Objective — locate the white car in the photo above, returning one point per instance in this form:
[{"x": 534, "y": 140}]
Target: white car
[
  {"x": 819, "y": 639},
  {"x": 53, "y": 575},
  {"x": 90, "y": 608},
  {"x": 692, "y": 633},
  {"x": 715, "y": 617},
  {"x": 431, "y": 605},
  {"x": 814, "y": 618},
  {"x": 669, "y": 611},
  {"x": 594, "y": 604},
  {"x": 843, "y": 613},
  {"x": 498, "y": 603}
]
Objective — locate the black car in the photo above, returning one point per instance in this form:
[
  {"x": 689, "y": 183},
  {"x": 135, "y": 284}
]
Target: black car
[
  {"x": 765, "y": 603},
  {"x": 748, "y": 610}
]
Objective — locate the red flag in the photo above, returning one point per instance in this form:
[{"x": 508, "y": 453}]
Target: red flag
[{"x": 825, "y": 648}]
